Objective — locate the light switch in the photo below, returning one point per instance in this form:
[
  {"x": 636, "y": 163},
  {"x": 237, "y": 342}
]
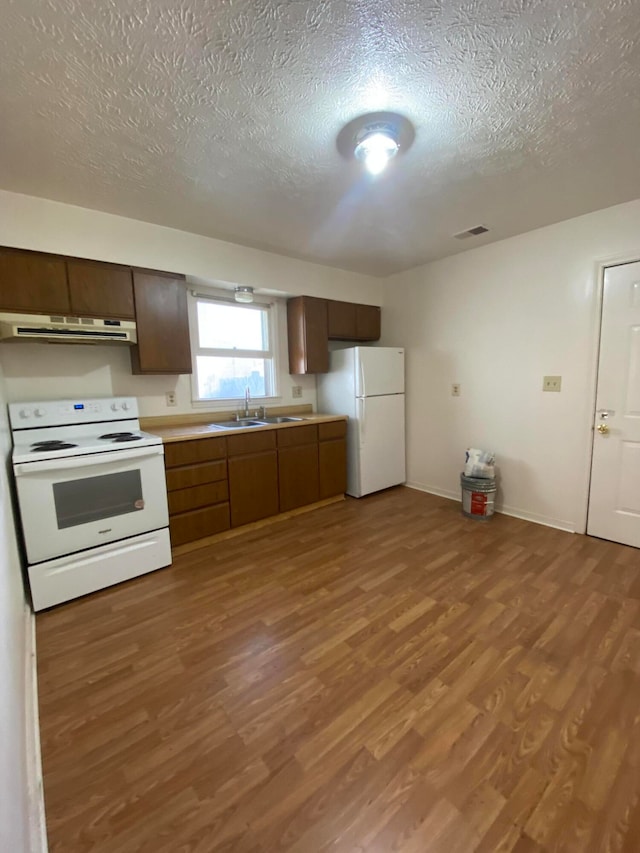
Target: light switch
[{"x": 551, "y": 383}]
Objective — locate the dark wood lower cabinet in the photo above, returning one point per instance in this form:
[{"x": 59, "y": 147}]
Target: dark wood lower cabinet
[
  {"x": 253, "y": 487},
  {"x": 332, "y": 457},
  {"x": 198, "y": 524},
  {"x": 217, "y": 483},
  {"x": 298, "y": 470}
]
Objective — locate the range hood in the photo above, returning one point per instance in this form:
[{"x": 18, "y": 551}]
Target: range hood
[{"x": 66, "y": 330}]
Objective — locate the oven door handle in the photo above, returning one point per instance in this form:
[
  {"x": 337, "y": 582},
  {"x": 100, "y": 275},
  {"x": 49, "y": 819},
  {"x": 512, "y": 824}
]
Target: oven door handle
[{"x": 91, "y": 460}]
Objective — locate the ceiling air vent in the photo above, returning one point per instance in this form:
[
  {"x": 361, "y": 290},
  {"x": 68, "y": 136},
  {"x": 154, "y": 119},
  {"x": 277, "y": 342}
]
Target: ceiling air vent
[{"x": 471, "y": 232}]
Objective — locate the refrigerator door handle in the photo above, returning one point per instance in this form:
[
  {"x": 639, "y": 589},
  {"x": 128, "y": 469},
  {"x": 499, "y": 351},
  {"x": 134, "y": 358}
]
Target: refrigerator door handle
[
  {"x": 361, "y": 419},
  {"x": 363, "y": 390}
]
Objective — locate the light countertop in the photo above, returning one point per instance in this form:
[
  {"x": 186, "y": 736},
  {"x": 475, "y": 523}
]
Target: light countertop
[{"x": 187, "y": 431}]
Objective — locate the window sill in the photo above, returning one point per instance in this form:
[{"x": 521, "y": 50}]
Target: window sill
[{"x": 233, "y": 402}]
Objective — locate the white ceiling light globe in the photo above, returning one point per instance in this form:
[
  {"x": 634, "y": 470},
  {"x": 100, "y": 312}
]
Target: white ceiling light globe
[{"x": 375, "y": 150}]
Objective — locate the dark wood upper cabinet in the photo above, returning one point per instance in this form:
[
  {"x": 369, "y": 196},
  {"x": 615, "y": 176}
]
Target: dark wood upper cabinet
[
  {"x": 341, "y": 320},
  {"x": 100, "y": 290},
  {"x": 367, "y": 323},
  {"x": 308, "y": 335},
  {"x": 351, "y": 322},
  {"x": 33, "y": 282},
  {"x": 162, "y": 324},
  {"x": 312, "y": 323}
]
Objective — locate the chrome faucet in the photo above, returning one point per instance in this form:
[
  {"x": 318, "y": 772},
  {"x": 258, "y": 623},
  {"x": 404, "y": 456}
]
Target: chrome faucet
[{"x": 247, "y": 400}]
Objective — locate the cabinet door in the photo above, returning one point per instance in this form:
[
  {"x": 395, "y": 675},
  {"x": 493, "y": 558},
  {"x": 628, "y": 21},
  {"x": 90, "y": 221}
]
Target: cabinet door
[
  {"x": 332, "y": 457},
  {"x": 308, "y": 335},
  {"x": 367, "y": 323},
  {"x": 100, "y": 290},
  {"x": 298, "y": 471},
  {"x": 253, "y": 487},
  {"x": 33, "y": 282},
  {"x": 162, "y": 324},
  {"x": 341, "y": 317}
]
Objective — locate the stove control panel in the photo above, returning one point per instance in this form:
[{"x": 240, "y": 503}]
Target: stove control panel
[{"x": 67, "y": 412}]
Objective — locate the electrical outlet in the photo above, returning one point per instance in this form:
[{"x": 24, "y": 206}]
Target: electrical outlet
[
  {"x": 296, "y": 390},
  {"x": 171, "y": 398},
  {"x": 455, "y": 390},
  {"x": 551, "y": 383}
]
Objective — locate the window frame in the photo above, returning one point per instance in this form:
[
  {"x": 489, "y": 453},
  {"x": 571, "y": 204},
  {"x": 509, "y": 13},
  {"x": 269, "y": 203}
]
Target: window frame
[{"x": 270, "y": 356}]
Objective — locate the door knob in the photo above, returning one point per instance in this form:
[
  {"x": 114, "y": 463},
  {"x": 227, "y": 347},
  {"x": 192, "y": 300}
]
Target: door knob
[{"x": 603, "y": 429}]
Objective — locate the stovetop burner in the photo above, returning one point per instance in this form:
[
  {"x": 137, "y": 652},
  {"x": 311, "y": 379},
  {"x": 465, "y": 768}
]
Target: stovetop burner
[
  {"x": 51, "y": 445},
  {"x": 116, "y": 434},
  {"x": 52, "y": 442},
  {"x": 127, "y": 438}
]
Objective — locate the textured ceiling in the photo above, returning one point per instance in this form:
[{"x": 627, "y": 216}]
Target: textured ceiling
[{"x": 220, "y": 116}]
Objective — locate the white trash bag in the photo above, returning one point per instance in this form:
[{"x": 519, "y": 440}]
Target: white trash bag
[{"x": 480, "y": 464}]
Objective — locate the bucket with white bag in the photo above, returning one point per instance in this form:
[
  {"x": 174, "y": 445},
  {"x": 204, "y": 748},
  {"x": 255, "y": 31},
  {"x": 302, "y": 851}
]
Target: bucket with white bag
[{"x": 478, "y": 484}]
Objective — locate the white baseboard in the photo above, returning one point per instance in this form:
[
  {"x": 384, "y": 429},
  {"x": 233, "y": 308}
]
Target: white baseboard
[
  {"x": 37, "y": 822},
  {"x": 558, "y": 524}
]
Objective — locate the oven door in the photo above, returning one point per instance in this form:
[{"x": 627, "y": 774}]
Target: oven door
[{"x": 67, "y": 505}]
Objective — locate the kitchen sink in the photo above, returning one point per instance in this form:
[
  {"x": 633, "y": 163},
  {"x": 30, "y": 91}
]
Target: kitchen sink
[
  {"x": 280, "y": 420},
  {"x": 241, "y": 424},
  {"x": 254, "y": 422}
]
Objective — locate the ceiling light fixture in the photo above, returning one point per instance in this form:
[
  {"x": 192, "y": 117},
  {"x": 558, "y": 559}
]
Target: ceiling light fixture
[
  {"x": 375, "y": 139},
  {"x": 375, "y": 146},
  {"x": 243, "y": 294}
]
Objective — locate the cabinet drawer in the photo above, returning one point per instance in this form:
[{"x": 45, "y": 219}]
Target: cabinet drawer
[
  {"x": 333, "y": 429},
  {"x": 198, "y": 523},
  {"x": 198, "y": 450},
  {"x": 196, "y": 475},
  {"x": 295, "y": 436},
  {"x": 206, "y": 495},
  {"x": 255, "y": 442}
]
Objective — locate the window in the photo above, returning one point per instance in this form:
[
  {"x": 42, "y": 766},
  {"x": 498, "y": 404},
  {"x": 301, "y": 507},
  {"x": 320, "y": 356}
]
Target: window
[{"x": 232, "y": 349}]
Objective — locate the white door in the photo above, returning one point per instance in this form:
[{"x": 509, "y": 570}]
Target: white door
[
  {"x": 379, "y": 370},
  {"x": 380, "y": 436},
  {"x": 614, "y": 498}
]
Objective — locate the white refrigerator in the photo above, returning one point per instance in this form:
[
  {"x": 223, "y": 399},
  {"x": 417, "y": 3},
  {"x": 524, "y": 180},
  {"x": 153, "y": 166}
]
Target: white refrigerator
[{"x": 367, "y": 385}]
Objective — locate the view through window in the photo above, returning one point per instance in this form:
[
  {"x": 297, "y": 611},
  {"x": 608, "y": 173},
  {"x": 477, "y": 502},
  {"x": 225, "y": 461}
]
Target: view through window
[{"x": 233, "y": 350}]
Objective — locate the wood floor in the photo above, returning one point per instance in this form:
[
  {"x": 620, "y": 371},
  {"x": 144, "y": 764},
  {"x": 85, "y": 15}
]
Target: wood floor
[{"x": 378, "y": 675}]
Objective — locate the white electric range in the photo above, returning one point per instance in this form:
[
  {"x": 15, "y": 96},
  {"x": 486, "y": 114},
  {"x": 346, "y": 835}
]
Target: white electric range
[{"x": 92, "y": 495}]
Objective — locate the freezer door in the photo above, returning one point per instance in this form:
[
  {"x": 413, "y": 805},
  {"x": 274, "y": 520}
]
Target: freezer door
[
  {"x": 379, "y": 370},
  {"x": 380, "y": 445}
]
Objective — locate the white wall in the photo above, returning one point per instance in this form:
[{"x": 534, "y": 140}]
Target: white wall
[
  {"x": 14, "y": 798},
  {"x": 496, "y": 319},
  {"x": 47, "y": 372}
]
